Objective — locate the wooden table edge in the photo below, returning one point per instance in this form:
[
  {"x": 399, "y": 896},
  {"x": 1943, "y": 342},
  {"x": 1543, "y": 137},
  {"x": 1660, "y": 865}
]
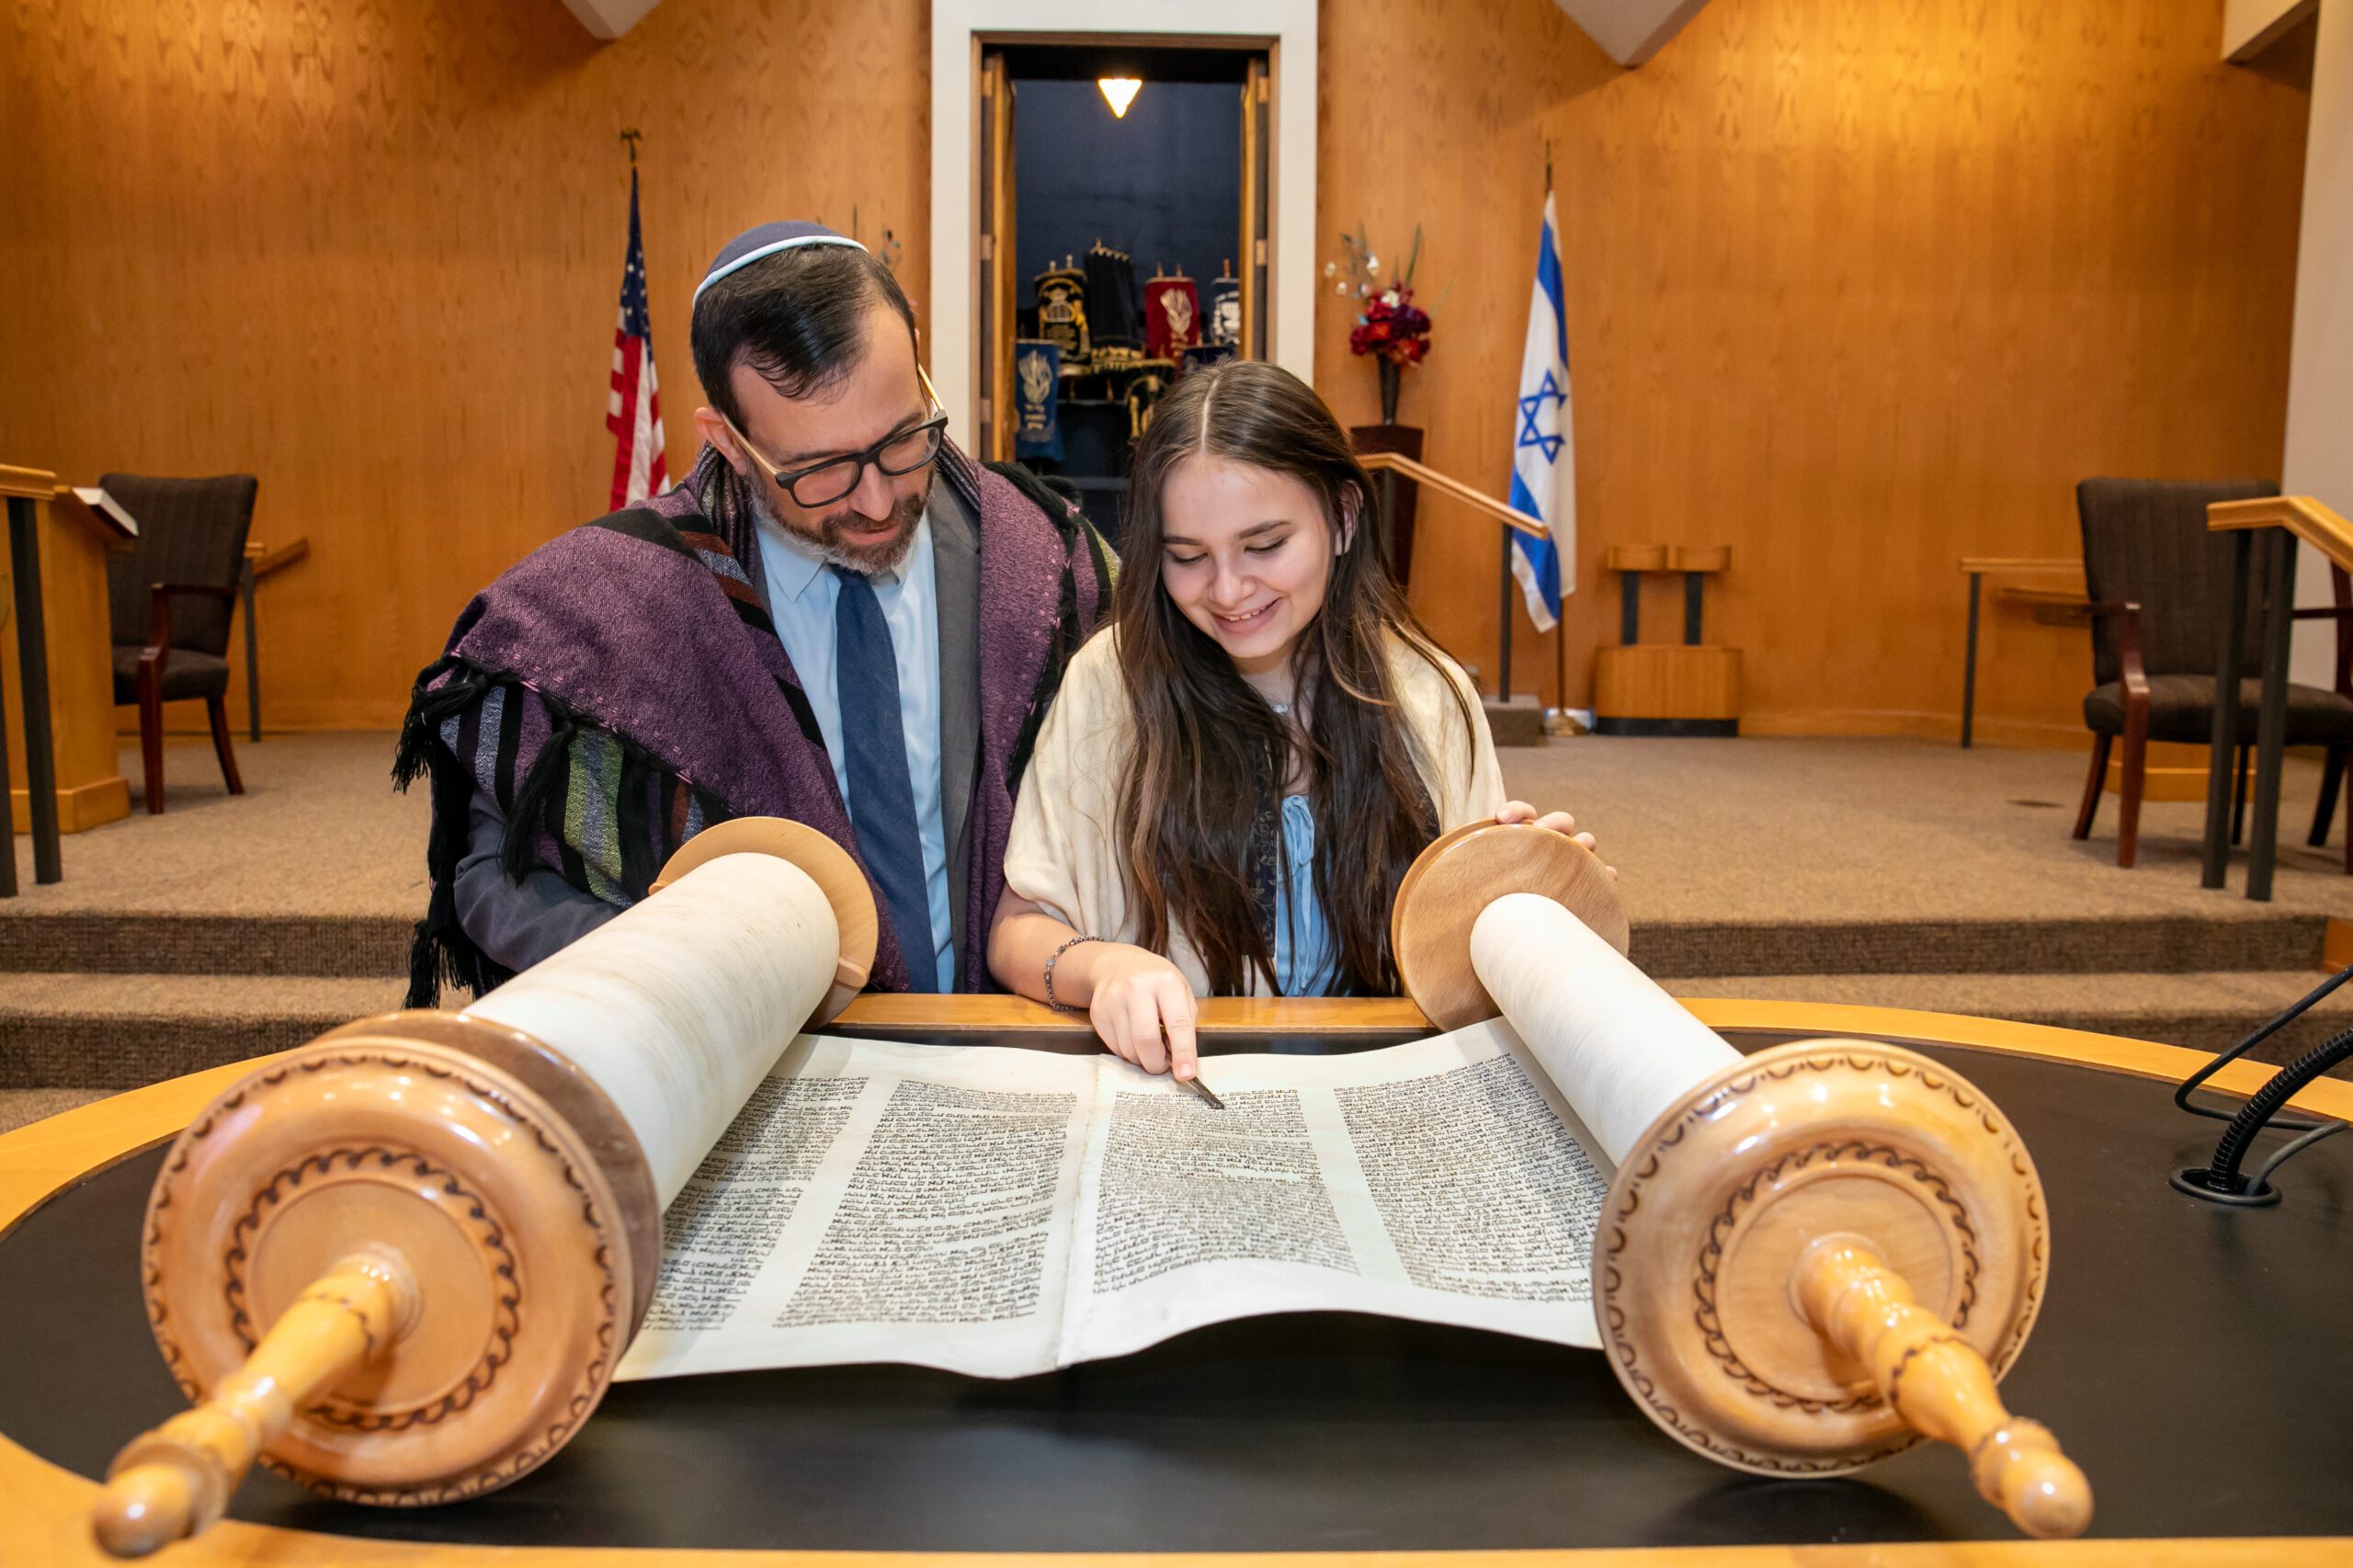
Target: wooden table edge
[
  {"x": 1219, "y": 1015},
  {"x": 2082, "y": 1048},
  {"x": 48, "y": 1507}
]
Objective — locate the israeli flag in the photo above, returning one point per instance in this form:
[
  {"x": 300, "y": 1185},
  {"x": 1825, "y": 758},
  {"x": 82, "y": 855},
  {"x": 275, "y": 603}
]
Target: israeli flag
[{"x": 1543, "y": 453}]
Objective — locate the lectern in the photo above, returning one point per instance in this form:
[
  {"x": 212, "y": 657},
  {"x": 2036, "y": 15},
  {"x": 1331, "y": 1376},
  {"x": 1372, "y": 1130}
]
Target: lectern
[
  {"x": 59, "y": 662},
  {"x": 2281, "y": 520}
]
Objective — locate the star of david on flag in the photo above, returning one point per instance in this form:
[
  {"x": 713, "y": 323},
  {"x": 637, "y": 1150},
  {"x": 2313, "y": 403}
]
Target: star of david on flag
[
  {"x": 1531, "y": 408},
  {"x": 1543, "y": 453}
]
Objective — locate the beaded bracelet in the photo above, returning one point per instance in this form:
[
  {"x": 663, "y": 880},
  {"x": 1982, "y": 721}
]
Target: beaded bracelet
[{"x": 1057, "y": 956}]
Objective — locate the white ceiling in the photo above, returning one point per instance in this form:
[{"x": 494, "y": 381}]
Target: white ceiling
[
  {"x": 1630, "y": 31},
  {"x": 610, "y": 18},
  {"x": 2250, "y": 27}
]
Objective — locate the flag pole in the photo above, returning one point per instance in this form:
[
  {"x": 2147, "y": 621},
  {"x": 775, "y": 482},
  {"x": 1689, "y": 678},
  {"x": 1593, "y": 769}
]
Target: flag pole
[
  {"x": 1540, "y": 456},
  {"x": 1560, "y": 623},
  {"x": 633, "y": 400},
  {"x": 1503, "y": 623},
  {"x": 1503, "y": 664}
]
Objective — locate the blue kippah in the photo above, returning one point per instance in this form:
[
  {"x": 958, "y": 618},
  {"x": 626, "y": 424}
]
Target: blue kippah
[{"x": 766, "y": 240}]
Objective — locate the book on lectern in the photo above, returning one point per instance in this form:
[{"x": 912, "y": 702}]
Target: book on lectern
[{"x": 107, "y": 509}]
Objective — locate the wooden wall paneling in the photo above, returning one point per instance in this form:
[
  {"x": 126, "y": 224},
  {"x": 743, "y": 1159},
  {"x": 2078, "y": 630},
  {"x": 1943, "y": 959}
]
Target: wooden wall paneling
[
  {"x": 1857, "y": 287},
  {"x": 1899, "y": 275},
  {"x": 1429, "y": 112},
  {"x": 371, "y": 254}
]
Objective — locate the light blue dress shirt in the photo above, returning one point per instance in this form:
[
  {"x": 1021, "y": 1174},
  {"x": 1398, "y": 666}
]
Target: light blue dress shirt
[
  {"x": 801, "y": 595},
  {"x": 1305, "y": 964}
]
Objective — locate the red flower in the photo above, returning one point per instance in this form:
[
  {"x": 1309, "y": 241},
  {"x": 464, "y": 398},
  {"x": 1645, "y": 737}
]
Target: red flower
[{"x": 1393, "y": 326}]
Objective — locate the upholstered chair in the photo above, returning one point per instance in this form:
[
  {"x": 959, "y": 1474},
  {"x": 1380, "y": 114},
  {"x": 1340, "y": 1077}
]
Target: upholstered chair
[
  {"x": 2158, "y": 581},
  {"x": 171, "y": 595}
]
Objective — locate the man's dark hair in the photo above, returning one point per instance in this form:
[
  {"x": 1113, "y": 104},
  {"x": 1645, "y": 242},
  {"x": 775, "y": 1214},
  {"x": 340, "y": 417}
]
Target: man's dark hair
[{"x": 794, "y": 318}]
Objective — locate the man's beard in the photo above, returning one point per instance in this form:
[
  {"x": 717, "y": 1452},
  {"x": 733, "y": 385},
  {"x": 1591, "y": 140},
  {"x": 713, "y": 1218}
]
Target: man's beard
[{"x": 828, "y": 540}]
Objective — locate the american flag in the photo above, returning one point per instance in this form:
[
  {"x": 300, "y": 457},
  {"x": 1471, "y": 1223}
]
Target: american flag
[{"x": 634, "y": 415}]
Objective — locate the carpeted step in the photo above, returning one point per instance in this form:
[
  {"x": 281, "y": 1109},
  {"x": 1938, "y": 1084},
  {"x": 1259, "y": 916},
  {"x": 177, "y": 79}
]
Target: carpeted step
[
  {"x": 80, "y": 941},
  {"x": 114, "y": 1032},
  {"x": 2162, "y": 944},
  {"x": 2199, "y": 1011}
]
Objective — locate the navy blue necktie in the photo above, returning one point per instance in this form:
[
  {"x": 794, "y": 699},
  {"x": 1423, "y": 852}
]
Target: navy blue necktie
[{"x": 881, "y": 797}]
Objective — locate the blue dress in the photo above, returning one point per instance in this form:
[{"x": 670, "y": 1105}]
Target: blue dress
[{"x": 1305, "y": 964}]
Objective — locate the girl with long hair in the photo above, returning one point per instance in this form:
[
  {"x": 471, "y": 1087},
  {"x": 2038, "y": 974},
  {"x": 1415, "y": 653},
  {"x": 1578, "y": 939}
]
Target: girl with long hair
[{"x": 1238, "y": 769}]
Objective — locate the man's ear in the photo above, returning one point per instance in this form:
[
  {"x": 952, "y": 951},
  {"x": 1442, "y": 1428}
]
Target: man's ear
[{"x": 715, "y": 433}]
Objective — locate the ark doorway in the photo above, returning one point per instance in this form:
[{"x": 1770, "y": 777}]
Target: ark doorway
[{"x": 1120, "y": 245}]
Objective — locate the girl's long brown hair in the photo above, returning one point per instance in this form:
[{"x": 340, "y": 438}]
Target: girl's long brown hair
[{"x": 1212, "y": 755}]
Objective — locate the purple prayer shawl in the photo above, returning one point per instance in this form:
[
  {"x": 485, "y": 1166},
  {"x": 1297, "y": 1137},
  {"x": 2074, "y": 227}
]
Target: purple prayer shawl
[{"x": 649, "y": 631}]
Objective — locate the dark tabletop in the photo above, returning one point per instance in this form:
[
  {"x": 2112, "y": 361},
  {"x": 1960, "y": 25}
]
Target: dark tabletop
[{"x": 2193, "y": 1360}]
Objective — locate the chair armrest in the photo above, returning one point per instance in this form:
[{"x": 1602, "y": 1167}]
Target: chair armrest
[
  {"x": 2127, "y": 617},
  {"x": 159, "y": 614},
  {"x": 2343, "y": 616}
]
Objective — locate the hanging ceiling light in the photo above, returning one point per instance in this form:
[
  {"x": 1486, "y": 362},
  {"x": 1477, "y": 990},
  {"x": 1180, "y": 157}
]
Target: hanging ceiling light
[{"x": 1119, "y": 92}]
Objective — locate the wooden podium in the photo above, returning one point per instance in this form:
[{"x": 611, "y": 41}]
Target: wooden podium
[
  {"x": 68, "y": 582},
  {"x": 1665, "y": 689},
  {"x": 2281, "y": 520}
]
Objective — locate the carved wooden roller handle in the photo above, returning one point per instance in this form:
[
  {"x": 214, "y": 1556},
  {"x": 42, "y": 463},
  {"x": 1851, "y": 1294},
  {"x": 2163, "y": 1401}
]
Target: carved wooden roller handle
[
  {"x": 177, "y": 1480},
  {"x": 1939, "y": 1385}
]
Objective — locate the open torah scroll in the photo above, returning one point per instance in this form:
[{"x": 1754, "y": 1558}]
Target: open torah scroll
[{"x": 1000, "y": 1212}]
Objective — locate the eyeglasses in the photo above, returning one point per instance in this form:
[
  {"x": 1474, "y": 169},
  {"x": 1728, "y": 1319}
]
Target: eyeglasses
[{"x": 822, "y": 485}]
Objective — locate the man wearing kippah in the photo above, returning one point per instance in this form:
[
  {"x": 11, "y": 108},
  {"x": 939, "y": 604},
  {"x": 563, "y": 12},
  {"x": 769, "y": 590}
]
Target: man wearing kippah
[{"x": 838, "y": 618}]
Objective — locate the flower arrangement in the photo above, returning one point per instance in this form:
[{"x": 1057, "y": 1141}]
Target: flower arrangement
[{"x": 1392, "y": 328}]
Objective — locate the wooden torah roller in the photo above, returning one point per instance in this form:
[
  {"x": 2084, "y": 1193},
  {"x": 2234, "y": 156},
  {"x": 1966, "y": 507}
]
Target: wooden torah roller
[
  {"x": 399, "y": 1264},
  {"x": 1810, "y": 1257}
]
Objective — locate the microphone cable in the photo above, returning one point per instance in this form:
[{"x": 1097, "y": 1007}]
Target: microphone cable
[{"x": 2221, "y": 1180}]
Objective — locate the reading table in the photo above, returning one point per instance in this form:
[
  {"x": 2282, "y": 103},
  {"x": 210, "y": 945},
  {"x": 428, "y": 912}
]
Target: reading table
[{"x": 2194, "y": 1356}]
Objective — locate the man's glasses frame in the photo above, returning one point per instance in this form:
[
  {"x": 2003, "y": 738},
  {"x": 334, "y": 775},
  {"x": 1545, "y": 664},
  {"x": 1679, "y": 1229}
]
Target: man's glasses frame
[{"x": 855, "y": 463}]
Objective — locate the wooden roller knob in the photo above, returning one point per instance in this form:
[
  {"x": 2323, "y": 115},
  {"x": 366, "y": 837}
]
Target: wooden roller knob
[
  {"x": 177, "y": 1479},
  {"x": 1440, "y": 896},
  {"x": 450, "y": 1230},
  {"x": 1939, "y": 1385},
  {"x": 1827, "y": 1251},
  {"x": 388, "y": 1269},
  {"x": 835, "y": 874}
]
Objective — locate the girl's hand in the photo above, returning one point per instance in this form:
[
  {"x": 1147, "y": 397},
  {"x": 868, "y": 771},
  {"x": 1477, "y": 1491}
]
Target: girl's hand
[
  {"x": 1558, "y": 821},
  {"x": 1138, "y": 995}
]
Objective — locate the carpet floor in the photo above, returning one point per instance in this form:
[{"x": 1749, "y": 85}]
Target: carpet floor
[
  {"x": 319, "y": 831},
  {"x": 1772, "y": 830},
  {"x": 1886, "y": 872}
]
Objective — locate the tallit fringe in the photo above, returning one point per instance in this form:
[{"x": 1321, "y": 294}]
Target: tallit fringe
[{"x": 440, "y": 953}]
